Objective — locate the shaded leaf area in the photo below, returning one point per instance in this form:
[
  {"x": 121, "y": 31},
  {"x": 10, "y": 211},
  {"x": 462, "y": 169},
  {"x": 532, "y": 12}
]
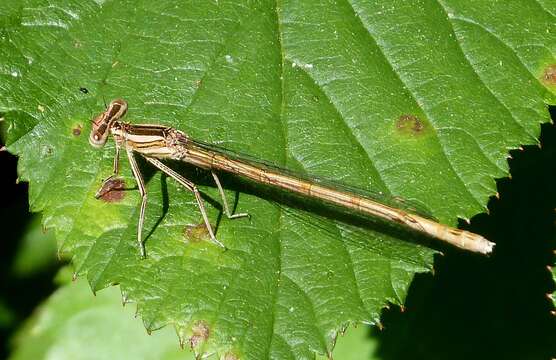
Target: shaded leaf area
[
  {"x": 417, "y": 100},
  {"x": 36, "y": 252},
  {"x": 27, "y": 261},
  {"x": 497, "y": 308},
  {"x": 72, "y": 324},
  {"x": 354, "y": 344}
]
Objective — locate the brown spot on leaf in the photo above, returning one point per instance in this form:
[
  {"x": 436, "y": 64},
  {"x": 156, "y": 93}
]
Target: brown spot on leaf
[
  {"x": 112, "y": 190},
  {"x": 46, "y": 151},
  {"x": 76, "y": 130},
  {"x": 549, "y": 75},
  {"x": 230, "y": 356},
  {"x": 410, "y": 124},
  {"x": 200, "y": 334},
  {"x": 196, "y": 233}
]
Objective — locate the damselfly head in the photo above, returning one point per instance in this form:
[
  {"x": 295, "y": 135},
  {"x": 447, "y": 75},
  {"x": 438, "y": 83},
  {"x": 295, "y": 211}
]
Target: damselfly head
[{"x": 102, "y": 123}]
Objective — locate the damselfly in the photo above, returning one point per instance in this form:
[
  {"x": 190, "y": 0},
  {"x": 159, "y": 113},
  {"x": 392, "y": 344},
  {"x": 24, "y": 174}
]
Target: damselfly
[{"x": 156, "y": 142}]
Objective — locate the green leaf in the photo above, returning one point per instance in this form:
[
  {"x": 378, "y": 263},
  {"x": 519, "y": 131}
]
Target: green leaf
[
  {"x": 414, "y": 99},
  {"x": 354, "y": 344},
  {"x": 36, "y": 252},
  {"x": 7, "y": 316},
  {"x": 72, "y": 324}
]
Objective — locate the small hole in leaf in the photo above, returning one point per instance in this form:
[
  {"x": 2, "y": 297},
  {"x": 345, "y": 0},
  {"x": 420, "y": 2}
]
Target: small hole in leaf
[{"x": 76, "y": 130}]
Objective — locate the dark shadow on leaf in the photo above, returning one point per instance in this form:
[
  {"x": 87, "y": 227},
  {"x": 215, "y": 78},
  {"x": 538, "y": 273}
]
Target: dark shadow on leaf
[
  {"x": 19, "y": 295},
  {"x": 165, "y": 204},
  {"x": 490, "y": 308}
]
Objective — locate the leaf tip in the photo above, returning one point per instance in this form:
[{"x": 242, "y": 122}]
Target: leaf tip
[{"x": 125, "y": 298}]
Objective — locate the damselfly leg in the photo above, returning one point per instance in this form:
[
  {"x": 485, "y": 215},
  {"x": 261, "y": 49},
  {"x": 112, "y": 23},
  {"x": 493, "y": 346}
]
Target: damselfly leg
[
  {"x": 227, "y": 211},
  {"x": 116, "y": 168},
  {"x": 191, "y": 187}
]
